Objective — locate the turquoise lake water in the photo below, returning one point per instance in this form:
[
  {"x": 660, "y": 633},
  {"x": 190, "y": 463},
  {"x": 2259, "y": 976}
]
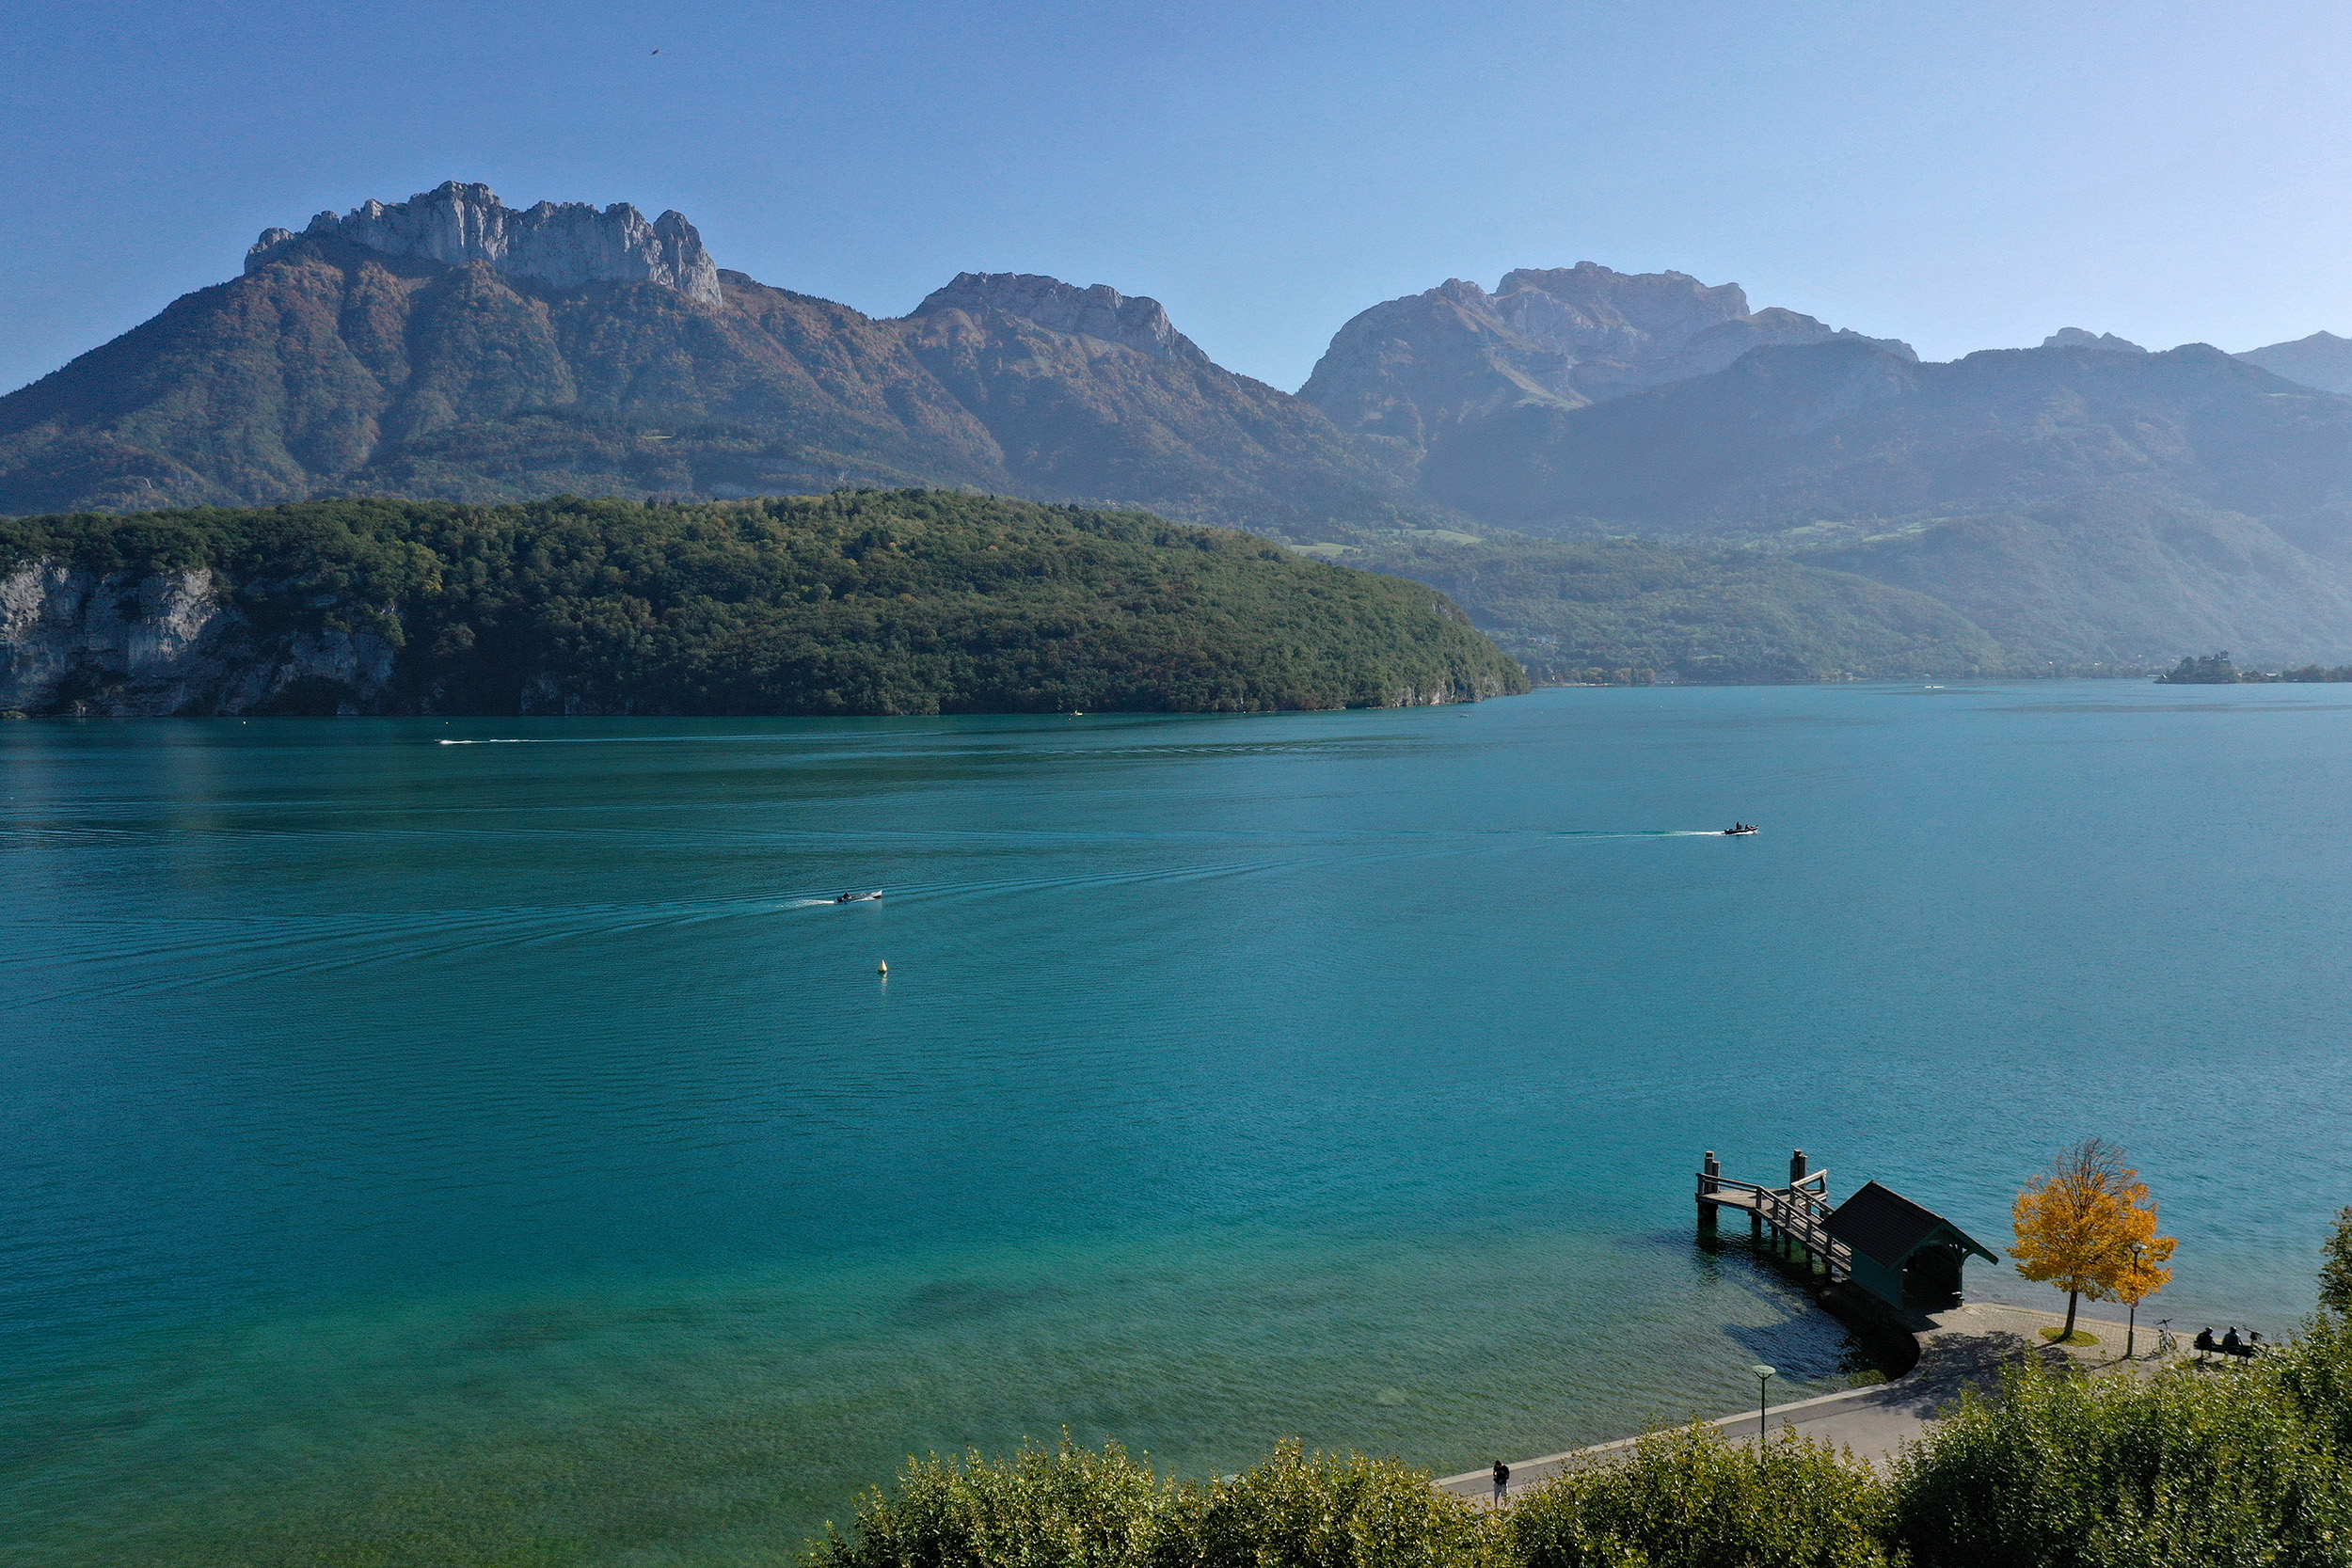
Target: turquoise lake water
[{"x": 490, "y": 1152}]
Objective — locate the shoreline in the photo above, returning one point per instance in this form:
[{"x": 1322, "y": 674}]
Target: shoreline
[{"x": 1962, "y": 1347}]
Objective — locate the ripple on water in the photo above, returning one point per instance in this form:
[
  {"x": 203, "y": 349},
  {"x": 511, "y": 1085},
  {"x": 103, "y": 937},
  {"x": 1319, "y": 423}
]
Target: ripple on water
[{"x": 466, "y": 1146}]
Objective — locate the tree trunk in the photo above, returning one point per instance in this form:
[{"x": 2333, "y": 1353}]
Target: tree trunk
[{"x": 2071, "y": 1297}]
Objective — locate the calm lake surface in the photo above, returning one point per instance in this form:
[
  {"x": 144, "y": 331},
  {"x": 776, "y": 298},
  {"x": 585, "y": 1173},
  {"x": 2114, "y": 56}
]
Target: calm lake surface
[{"x": 458, "y": 1154}]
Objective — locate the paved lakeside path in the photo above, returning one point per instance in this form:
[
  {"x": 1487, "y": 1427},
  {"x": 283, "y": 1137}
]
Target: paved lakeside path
[{"x": 1966, "y": 1344}]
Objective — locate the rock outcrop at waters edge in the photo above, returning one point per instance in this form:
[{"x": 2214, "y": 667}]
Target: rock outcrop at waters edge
[{"x": 126, "y": 644}]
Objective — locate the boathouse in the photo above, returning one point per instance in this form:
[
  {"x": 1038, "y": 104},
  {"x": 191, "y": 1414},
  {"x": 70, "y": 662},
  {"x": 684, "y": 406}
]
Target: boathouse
[{"x": 1900, "y": 1251}]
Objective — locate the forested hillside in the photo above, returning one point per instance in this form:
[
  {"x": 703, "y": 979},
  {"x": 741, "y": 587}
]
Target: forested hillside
[
  {"x": 902, "y": 602},
  {"x": 1721, "y": 615}
]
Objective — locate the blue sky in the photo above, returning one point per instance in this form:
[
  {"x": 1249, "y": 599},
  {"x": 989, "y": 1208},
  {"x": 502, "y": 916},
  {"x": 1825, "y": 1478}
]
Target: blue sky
[{"x": 1960, "y": 176}]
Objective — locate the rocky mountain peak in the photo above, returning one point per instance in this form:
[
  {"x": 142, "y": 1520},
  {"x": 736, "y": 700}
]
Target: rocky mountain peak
[
  {"x": 1592, "y": 310},
  {"x": 565, "y": 243},
  {"x": 1100, "y": 312},
  {"x": 1415, "y": 368},
  {"x": 2075, "y": 337},
  {"x": 2323, "y": 360}
]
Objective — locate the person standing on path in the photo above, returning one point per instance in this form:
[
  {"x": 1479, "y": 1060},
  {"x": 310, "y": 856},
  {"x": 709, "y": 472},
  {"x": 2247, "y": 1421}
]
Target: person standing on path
[{"x": 1503, "y": 1479}]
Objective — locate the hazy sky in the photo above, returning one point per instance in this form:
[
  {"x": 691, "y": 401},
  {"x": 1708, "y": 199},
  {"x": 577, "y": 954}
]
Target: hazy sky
[{"x": 1963, "y": 176}]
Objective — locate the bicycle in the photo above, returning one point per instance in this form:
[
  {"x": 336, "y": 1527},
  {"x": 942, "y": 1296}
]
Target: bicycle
[{"x": 2166, "y": 1344}]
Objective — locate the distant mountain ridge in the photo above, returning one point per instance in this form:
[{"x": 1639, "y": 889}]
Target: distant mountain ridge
[
  {"x": 2075, "y": 337},
  {"x": 450, "y": 347},
  {"x": 2084, "y": 502},
  {"x": 1101, "y": 312},
  {"x": 2323, "y": 360},
  {"x": 2084, "y": 506},
  {"x": 1791, "y": 436},
  {"x": 1414, "y": 368},
  {"x": 1090, "y": 394}
]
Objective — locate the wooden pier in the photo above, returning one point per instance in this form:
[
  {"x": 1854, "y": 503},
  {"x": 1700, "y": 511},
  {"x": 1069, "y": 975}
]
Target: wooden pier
[{"x": 1792, "y": 1218}]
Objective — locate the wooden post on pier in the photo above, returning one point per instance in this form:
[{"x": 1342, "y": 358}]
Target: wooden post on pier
[
  {"x": 1792, "y": 1218},
  {"x": 1874, "y": 1238}
]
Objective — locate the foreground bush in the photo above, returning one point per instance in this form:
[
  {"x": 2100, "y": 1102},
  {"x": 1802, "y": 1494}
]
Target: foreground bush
[
  {"x": 2313, "y": 1374},
  {"x": 1064, "y": 1508},
  {"x": 2191, "y": 1468},
  {"x": 1317, "y": 1510},
  {"x": 1689, "y": 1500},
  {"x": 1072, "y": 1508}
]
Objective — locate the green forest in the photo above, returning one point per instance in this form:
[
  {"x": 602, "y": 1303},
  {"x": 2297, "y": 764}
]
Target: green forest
[
  {"x": 858, "y": 602},
  {"x": 1602, "y": 611}
]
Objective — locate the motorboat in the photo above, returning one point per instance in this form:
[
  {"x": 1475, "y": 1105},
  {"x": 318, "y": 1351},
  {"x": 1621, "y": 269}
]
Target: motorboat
[
  {"x": 858, "y": 898},
  {"x": 1740, "y": 829}
]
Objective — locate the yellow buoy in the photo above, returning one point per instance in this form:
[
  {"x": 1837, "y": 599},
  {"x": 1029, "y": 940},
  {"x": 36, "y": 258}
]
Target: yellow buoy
[{"x": 884, "y": 968}]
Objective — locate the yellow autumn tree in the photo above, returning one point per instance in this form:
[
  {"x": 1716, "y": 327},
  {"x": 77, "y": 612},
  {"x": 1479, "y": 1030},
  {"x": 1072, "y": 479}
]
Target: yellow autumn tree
[
  {"x": 2078, "y": 1227},
  {"x": 2143, "y": 1273}
]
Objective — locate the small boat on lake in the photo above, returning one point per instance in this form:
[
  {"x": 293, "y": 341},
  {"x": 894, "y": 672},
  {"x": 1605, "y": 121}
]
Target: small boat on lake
[
  {"x": 858, "y": 898},
  {"x": 1740, "y": 829}
]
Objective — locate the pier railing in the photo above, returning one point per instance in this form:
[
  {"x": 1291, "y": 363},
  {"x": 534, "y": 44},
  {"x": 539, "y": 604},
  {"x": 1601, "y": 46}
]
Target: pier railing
[{"x": 1797, "y": 1213}]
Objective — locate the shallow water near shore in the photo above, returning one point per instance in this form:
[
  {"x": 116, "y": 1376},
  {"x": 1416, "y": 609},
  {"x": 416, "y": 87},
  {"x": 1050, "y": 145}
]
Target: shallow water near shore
[{"x": 472, "y": 1153}]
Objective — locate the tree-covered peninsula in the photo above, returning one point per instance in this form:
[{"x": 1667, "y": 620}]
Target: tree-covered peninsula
[{"x": 857, "y": 602}]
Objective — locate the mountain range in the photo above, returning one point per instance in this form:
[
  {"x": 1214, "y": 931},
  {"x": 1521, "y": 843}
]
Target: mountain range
[
  {"x": 451, "y": 348},
  {"x": 1829, "y": 501}
]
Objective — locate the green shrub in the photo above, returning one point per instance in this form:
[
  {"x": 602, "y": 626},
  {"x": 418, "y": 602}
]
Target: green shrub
[
  {"x": 1072, "y": 1508},
  {"x": 1043, "y": 1508},
  {"x": 1687, "y": 1498},
  {"x": 1292, "y": 1510},
  {"x": 2190, "y": 1468},
  {"x": 2335, "y": 1265},
  {"x": 2313, "y": 1375},
  {"x": 2193, "y": 1468}
]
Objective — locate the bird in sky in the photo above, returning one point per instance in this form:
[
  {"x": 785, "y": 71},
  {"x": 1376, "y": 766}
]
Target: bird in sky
[{"x": 657, "y": 51}]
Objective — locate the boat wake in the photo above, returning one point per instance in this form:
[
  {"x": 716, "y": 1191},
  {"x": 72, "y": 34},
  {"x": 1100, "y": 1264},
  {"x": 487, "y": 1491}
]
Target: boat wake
[{"x": 1653, "y": 832}]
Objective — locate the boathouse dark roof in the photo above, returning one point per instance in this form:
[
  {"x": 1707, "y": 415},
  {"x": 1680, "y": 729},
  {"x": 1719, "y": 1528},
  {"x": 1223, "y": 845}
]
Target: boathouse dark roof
[{"x": 1885, "y": 1225}]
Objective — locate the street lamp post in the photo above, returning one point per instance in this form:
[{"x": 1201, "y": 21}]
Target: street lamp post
[
  {"x": 2131, "y": 1320},
  {"x": 1763, "y": 1376}
]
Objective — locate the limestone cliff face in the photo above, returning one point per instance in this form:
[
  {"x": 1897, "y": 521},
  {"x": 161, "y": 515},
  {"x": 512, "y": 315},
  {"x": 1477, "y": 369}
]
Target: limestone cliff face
[
  {"x": 565, "y": 245},
  {"x": 1093, "y": 393},
  {"x": 167, "y": 643},
  {"x": 442, "y": 348},
  {"x": 1101, "y": 312},
  {"x": 1416, "y": 368}
]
